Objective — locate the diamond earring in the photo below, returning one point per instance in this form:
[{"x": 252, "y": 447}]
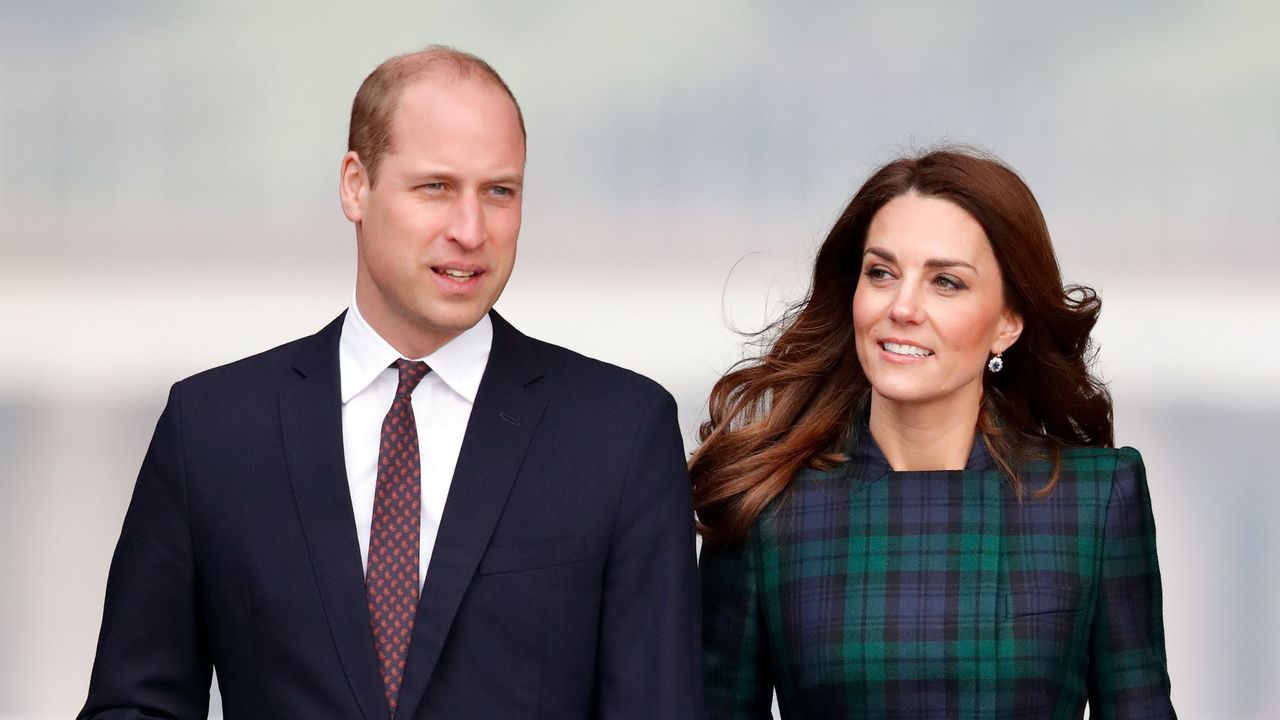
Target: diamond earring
[{"x": 995, "y": 364}]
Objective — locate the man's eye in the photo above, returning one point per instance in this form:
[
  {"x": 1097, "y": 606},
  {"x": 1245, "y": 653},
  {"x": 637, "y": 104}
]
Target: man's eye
[
  {"x": 432, "y": 186},
  {"x": 501, "y": 191}
]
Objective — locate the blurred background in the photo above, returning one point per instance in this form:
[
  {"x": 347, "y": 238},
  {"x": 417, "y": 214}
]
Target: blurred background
[{"x": 168, "y": 178}]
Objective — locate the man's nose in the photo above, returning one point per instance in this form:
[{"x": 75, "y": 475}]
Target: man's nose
[{"x": 466, "y": 227}]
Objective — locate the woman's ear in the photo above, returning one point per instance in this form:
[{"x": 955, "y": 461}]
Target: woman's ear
[{"x": 1009, "y": 332}]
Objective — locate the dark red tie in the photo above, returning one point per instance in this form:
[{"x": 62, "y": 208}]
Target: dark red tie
[{"x": 392, "y": 578}]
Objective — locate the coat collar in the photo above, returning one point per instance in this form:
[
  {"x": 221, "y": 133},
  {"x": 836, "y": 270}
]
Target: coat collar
[{"x": 868, "y": 459}]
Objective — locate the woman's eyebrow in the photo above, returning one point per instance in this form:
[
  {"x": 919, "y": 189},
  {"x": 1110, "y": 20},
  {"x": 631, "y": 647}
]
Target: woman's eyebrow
[
  {"x": 940, "y": 263},
  {"x": 931, "y": 263},
  {"x": 884, "y": 254}
]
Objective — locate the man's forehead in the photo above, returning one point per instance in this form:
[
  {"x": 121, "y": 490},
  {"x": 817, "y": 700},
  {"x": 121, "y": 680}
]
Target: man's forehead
[
  {"x": 448, "y": 85},
  {"x": 455, "y": 96},
  {"x": 456, "y": 122}
]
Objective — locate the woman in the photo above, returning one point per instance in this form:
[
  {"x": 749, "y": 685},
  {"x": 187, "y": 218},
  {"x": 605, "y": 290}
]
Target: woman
[{"x": 910, "y": 504}]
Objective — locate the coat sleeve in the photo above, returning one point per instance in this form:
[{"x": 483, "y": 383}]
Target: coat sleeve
[
  {"x": 735, "y": 655},
  {"x": 1128, "y": 670},
  {"x": 153, "y": 659},
  {"x": 648, "y": 663}
]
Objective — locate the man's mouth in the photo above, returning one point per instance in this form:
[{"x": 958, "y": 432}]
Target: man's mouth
[{"x": 456, "y": 274}]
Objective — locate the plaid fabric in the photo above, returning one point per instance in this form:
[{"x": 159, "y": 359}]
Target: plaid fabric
[{"x": 867, "y": 593}]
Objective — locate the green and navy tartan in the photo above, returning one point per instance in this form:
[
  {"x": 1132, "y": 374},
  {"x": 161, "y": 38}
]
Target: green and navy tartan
[{"x": 867, "y": 593}]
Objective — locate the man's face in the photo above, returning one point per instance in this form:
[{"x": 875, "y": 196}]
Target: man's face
[{"x": 436, "y": 234}]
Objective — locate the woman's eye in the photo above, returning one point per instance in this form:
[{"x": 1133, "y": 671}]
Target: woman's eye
[
  {"x": 948, "y": 282},
  {"x": 877, "y": 272}
]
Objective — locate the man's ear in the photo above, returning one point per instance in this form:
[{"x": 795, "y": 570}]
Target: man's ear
[
  {"x": 1010, "y": 331},
  {"x": 353, "y": 186}
]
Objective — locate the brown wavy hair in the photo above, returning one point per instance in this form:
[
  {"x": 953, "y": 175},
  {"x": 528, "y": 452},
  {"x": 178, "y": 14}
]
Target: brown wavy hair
[{"x": 794, "y": 406}]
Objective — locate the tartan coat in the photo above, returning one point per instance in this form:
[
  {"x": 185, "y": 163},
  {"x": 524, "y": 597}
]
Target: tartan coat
[{"x": 867, "y": 593}]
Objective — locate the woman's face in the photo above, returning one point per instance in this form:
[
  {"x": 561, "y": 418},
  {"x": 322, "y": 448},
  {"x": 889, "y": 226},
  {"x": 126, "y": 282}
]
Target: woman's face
[{"x": 929, "y": 310}]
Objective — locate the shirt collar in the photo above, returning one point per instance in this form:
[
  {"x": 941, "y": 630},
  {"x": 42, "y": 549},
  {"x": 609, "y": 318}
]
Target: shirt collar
[{"x": 363, "y": 354}]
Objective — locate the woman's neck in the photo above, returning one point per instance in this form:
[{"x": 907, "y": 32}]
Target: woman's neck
[{"x": 924, "y": 436}]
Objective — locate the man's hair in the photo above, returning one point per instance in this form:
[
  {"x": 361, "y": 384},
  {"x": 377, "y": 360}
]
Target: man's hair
[{"x": 375, "y": 104}]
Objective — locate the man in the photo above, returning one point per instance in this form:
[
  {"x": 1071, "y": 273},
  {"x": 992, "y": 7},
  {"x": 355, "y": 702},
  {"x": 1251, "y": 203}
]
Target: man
[{"x": 417, "y": 512}]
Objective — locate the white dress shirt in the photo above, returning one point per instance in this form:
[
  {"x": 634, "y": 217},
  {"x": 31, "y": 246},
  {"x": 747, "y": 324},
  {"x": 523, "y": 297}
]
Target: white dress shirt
[{"x": 441, "y": 407}]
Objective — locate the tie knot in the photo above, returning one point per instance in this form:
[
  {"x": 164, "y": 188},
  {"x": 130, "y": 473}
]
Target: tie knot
[{"x": 411, "y": 373}]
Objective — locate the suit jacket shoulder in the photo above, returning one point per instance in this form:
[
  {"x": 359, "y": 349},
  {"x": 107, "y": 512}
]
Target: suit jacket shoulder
[
  {"x": 588, "y": 377},
  {"x": 267, "y": 369}
]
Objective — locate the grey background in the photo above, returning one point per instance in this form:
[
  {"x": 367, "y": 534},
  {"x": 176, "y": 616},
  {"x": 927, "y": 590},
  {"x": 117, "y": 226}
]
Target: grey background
[{"x": 168, "y": 176}]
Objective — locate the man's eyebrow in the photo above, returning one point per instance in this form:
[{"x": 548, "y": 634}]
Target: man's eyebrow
[
  {"x": 435, "y": 175},
  {"x": 426, "y": 175}
]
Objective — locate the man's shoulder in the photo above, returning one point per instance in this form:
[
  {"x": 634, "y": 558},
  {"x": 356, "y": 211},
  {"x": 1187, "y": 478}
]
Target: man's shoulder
[
  {"x": 580, "y": 374},
  {"x": 268, "y": 367}
]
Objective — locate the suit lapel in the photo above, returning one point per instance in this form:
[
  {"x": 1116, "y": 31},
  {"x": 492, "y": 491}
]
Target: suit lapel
[
  {"x": 502, "y": 422},
  {"x": 311, "y": 420}
]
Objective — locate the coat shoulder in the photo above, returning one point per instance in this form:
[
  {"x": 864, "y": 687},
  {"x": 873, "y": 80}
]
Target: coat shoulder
[
  {"x": 261, "y": 374},
  {"x": 1091, "y": 472},
  {"x": 1100, "y": 461},
  {"x": 580, "y": 375},
  {"x": 247, "y": 374}
]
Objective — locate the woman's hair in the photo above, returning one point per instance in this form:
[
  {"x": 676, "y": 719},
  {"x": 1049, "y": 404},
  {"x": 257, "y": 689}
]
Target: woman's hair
[{"x": 794, "y": 406}]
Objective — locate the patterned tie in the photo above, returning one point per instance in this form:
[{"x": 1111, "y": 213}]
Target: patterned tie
[{"x": 392, "y": 577}]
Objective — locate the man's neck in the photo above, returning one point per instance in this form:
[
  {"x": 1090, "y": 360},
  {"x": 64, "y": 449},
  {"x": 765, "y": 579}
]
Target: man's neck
[{"x": 411, "y": 341}]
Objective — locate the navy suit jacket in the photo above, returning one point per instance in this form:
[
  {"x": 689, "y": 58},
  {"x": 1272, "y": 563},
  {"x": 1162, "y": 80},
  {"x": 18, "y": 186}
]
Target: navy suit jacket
[{"x": 562, "y": 584}]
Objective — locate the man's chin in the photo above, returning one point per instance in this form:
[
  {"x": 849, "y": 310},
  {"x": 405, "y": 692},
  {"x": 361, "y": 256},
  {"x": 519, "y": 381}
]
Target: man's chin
[{"x": 453, "y": 322}]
